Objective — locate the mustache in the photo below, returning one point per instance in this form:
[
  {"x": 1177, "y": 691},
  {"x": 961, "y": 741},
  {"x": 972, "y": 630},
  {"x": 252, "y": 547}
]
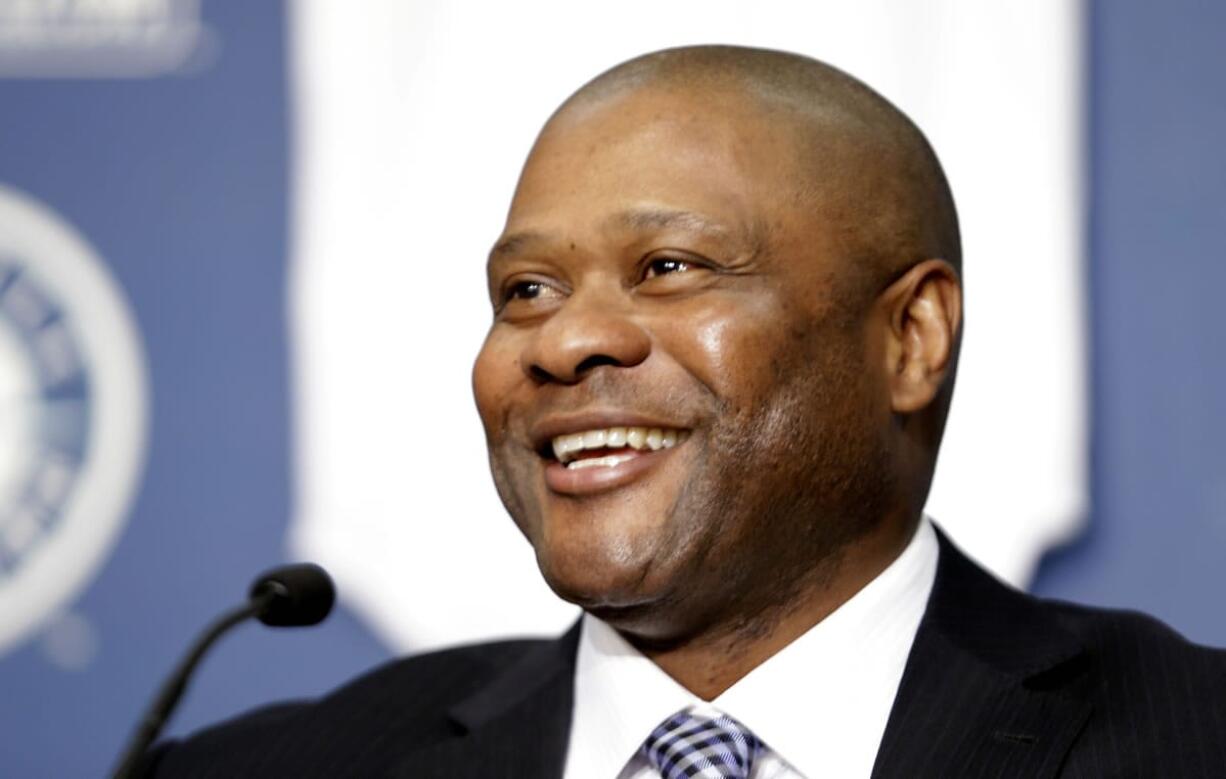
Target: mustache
[{"x": 604, "y": 390}]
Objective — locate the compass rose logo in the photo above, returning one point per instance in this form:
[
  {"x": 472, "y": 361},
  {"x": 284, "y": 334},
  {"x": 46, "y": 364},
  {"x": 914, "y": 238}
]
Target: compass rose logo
[{"x": 72, "y": 414}]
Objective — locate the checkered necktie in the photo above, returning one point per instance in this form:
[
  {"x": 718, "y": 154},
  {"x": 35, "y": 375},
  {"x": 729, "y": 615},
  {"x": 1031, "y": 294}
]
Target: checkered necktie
[{"x": 689, "y": 745}]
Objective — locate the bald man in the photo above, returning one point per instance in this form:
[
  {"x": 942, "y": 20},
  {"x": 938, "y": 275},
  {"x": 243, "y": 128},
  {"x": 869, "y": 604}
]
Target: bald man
[{"x": 726, "y": 315}]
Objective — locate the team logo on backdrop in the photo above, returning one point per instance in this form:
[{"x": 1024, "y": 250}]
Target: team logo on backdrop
[{"x": 72, "y": 414}]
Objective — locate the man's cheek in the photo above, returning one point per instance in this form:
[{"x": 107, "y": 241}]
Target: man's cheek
[
  {"x": 516, "y": 487},
  {"x": 737, "y": 356},
  {"x": 493, "y": 376}
]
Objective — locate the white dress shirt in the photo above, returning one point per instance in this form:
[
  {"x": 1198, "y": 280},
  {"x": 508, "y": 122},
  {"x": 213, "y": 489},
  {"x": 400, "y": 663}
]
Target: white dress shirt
[{"x": 820, "y": 705}]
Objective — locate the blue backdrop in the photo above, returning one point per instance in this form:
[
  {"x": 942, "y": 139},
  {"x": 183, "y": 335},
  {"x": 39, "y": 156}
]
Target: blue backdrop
[
  {"x": 1157, "y": 176},
  {"x": 180, "y": 183}
]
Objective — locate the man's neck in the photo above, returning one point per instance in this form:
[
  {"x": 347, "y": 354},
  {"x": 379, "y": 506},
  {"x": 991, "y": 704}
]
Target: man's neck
[{"x": 712, "y": 660}]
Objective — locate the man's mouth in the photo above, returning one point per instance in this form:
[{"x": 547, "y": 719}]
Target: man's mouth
[{"x": 612, "y": 446}]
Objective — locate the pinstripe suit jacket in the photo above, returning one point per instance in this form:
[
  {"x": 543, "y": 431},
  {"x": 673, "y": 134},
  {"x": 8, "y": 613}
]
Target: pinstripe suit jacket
[{"x": 997, "y": 684}]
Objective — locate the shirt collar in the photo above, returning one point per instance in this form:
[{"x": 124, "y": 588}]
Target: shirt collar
[
  {"x": 620, "y": 697},
  {"x": 821, "y": 703}
]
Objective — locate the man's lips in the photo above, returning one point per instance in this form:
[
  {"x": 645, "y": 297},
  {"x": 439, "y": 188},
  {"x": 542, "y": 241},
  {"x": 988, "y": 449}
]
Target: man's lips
[
  {"x": 594, "y": 452},
  {"x": 619, "y": 468}
]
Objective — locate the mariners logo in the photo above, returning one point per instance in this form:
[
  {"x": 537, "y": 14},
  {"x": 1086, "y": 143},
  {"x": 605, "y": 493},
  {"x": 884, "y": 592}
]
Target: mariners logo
[{"x": 72, "y": 414}]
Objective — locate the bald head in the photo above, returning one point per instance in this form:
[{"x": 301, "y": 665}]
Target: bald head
[
  {"x": 810, "y": 168},
  {"x": 858, "y": 159}
]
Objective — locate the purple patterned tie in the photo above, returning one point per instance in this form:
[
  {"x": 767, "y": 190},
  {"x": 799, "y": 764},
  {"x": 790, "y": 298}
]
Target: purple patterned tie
[{"x": 689, "y": 745}]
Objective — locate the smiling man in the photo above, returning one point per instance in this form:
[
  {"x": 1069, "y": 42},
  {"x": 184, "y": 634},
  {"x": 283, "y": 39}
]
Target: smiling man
[
  {"x": 723, "y": 343},
  {"x": 727, "y": 306}
]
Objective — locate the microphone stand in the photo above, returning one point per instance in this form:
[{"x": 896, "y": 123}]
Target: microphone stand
[{"x": 155, "y": 718}]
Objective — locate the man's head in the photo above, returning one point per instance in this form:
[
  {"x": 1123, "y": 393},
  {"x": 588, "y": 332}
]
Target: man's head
[{"x": 756, "y": 255}]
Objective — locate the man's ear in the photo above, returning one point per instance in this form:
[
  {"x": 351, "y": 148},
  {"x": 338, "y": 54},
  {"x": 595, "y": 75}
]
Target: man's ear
[{"x": 924, "y": 311}]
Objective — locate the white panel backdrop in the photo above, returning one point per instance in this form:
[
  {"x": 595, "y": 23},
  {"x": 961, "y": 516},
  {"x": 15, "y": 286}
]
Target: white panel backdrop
[{"x": 410, "y": 123}]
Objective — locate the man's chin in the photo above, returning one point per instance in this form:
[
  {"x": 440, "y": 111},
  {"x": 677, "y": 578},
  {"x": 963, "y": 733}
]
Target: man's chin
[
  {"x": 636, "y": 600},
  {"x": 599, "y": 586}
]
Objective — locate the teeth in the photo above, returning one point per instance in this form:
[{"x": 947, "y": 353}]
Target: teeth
[
  {"x": 569, "y": 443},
  {"x": 655, "y": 438},
  {"x": 592, "y": 462},
  {"x": 566, "y": 447},
  {"x": 595, "y": 439}
]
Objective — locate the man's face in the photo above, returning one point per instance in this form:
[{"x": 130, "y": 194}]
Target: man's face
[{"x": 659, "y": 271}]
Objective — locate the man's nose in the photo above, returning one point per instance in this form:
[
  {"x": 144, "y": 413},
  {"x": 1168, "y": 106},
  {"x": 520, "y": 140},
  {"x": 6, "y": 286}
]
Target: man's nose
[{"x": 587, "y": 332}]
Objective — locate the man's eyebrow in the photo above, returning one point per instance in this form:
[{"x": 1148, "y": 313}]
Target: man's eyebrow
[
  {"x": 637, "y": 219},
  {"x": 661, "y": 218},
  {"x": 513, "y": 243}
]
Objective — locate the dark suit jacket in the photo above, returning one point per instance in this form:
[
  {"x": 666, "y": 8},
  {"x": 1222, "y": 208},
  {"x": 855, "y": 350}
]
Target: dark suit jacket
[{"x": 997, "y": 684}]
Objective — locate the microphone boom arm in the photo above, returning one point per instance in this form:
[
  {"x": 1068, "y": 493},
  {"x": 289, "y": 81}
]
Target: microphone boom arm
[
  {"x": 295, "y": 595},
  {"x": 155, "y": 718}
]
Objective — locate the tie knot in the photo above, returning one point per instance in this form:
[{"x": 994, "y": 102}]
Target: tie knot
[{"x": 714, "y": 746}]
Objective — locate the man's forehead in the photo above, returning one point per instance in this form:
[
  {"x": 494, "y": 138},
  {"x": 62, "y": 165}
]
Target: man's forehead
[
  {"x": 702, "y": 110},
  {"x": 673, "y": 162},
  {"x": 815, "y": 162},
  {"x": 708, "y": 206},
  {"x": 728, "y": 98},
  {"x": 783, "y": 145}
]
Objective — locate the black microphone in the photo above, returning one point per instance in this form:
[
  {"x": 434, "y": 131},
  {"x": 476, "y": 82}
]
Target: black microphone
[
  {"x": 294, "y": 595},
  {"x": 290, "y": 596}
]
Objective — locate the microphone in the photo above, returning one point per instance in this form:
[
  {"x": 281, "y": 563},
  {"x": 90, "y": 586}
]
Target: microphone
[
  {"x": 295, "y": 596},
  {"x": 290, "y": 596}
]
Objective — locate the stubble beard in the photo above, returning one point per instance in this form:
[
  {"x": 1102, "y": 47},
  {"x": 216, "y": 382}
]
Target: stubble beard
[
  {"x": 781, "y": 497},
  {"x": 778, "y": 494}
]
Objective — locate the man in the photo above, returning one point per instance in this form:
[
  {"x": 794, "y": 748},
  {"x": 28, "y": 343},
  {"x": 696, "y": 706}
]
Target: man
[{"x": 727, "y": 307}]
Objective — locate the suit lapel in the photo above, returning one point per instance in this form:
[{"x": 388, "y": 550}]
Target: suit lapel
[
  {"x": 993, "y": 685},
  {"x": 517, "y": 726}
]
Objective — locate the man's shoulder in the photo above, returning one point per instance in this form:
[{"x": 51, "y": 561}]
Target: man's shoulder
[
  {"x": 409, "y": 697},
  {"x": 1034, "y": 684},
  {"x": 1126, "y": 633},
  {"x": 1158, "y": 700},
  {"x": 1143, "y": 652},
  {"x": 1000, "y": 621}
]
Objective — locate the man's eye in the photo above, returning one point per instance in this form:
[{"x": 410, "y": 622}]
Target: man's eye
[
  {"x": 528, "y": 289},
  {"x": 525, "y": 290},
  {"x": 663, "y": 266}
]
